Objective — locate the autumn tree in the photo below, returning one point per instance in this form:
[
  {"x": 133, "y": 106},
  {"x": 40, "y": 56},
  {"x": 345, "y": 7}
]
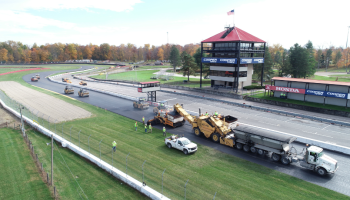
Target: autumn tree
[
  {"x": 189, "y": 66},
  {"x": 104, "y": 51},
  {"x": 160, "y": 54},
  {"x": 147, "y": 51},
  {"x": 3, "y": 55},
  {"x": 87, "y": 53}
]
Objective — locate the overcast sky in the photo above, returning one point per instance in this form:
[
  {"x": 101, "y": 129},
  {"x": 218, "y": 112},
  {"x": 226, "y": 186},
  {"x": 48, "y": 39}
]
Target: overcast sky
[{"x": 139, "y": 22}]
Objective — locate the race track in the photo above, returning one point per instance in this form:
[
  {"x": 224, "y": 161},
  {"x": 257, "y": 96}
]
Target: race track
[{"x": 338, "y": 182}]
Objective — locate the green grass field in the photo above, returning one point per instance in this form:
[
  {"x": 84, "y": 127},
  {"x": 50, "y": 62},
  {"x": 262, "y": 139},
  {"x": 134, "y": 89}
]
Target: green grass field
[
  {"x": 95, "y": 182},
  {"x": 144, "y": 76},
  {"x": 208, "y": 170},
  {"x": 341, "y": 78},
  {"x": 19, "y": 176},
  {"x": 333, "y": 69}
]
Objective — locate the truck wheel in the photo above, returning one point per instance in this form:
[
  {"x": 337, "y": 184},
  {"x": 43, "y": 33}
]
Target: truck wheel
[
  {"x": 321, "y": 171},
  {"x": 197, "y": 132},
  {"x": 185, "y": 152},
  {"x": 260, "y": 152},
  {"x": 169, "y": 145},
  {"x": 275, "y": 157},
  {"x": 246, "y": 148},
  {"x": 253, "y": 149},
  {"x": 239, "y": 146},
  {"x": 215, "y": 137},
  {"x": 285, "y": 160}
]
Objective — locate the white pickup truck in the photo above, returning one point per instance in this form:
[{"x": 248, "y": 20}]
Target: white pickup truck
[{"x": 181, "y": 143}]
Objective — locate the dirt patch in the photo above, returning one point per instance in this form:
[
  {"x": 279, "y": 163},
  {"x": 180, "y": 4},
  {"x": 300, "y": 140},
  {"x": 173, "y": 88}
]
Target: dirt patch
[
  {"x": 43, "y": 104},
  {"x": 7, "y": 119}
]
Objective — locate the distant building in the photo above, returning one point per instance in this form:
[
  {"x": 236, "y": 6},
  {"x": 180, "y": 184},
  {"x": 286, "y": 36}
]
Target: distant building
[{"x": 233, "y": 53}]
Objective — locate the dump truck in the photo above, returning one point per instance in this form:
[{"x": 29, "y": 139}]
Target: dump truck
[
  {"x": 68, "y": 90},
  {"x": 167, "y": 118},
  {"x": 278, "y": 146},
  {"x": 163, "y": 105},
  {"x": 82, "y": 83},
  {"x": 37, "y": 76},
  {"x": 141, "y": 103},
  {"x": 181, "y": 143},
  {"x": 34, "y": 79},
  {"x": 212, "y": 127},
  {"x": 83, "y": 93}
]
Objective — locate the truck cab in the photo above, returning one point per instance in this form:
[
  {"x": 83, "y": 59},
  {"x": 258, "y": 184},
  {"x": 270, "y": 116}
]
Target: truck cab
[{"x": 322, "y": 163}]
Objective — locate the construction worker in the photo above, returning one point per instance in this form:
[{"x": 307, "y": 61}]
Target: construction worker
[
  {"x": 150, "y": 127},
  {"x": 135, "y": 126},
  {"x": 143, "y": 120},
  {"x": 164, "y": 131},
  {"x": 206, "y": 113},
  {"x": 145, "y": 128},
  {"x": 216, "y": 114},
  {"x": 114, "y": 146}
]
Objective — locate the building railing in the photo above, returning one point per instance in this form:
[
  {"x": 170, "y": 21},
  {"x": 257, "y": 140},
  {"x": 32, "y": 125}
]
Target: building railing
[{"x": 233, "y": 48}]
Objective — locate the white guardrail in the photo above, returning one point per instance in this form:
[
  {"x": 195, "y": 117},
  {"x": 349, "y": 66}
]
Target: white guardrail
[
  {"x": 149, "y": 192},
  {"x": 301, "y": 139}
]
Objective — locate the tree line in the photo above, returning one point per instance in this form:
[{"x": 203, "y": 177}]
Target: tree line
[
  {"x": 17, "y": 52},
  {"x": 301, "y": 61}
]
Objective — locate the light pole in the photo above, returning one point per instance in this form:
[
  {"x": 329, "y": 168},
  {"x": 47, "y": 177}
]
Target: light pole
[{"x": 346, "y": 46}]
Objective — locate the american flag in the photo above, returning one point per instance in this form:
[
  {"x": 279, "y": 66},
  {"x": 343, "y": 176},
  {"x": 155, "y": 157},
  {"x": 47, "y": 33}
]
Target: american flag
[{"x": 231, "y": 12}]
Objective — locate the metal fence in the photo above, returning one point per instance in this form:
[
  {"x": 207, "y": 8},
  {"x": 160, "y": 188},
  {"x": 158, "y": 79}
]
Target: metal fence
[{"x": 131, "y": 163}]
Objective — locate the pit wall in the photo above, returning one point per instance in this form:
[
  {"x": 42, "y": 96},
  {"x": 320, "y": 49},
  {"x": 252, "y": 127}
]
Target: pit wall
[{"x": 149, "y": 192}]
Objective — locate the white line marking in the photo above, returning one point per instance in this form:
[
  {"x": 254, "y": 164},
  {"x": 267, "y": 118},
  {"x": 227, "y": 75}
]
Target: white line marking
[{"x": 325, "y": 127}]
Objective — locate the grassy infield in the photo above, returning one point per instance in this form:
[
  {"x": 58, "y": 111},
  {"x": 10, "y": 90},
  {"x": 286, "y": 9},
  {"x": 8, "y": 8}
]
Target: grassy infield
[
  {"x": 144, "y": 76},
  {"x": 208, "y": 170}
]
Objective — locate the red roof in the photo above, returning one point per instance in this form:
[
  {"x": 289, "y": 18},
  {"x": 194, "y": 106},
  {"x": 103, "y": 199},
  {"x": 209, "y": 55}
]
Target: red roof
[
  {"x": 311, "y": 81},
  {"x": 149, "y": 82},
  {"x": 235, "y": 35}
]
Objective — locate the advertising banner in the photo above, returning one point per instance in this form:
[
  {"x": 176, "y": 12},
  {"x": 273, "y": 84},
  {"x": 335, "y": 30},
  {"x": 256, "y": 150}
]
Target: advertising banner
[
  {"x": 337, "y": 95},
  {"x": 349, "y": 96},
  {"x": 251, "y": 60},
  {"x": 285, "y": 89},
  {"x": 220, "y": 60},
  {"x": 316, "y": 92},
  {"x": 139, "y": 89}
]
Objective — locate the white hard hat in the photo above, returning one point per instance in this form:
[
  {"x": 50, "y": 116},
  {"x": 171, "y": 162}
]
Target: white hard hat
[{"x": 114, "y": 141}]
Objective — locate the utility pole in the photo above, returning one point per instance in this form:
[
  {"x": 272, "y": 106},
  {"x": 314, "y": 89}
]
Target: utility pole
[
  {"x": 167, "y": 37},
  {"x": 22, "y": 125},
  {"x": 52, "y": 160}
]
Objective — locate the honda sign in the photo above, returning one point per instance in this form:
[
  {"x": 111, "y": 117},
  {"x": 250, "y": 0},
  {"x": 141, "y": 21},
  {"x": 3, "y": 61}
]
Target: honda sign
[{"x": 285, "y": 89}]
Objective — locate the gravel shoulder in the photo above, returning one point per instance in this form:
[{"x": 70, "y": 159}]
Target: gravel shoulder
[{"x": 45, "y": 104}]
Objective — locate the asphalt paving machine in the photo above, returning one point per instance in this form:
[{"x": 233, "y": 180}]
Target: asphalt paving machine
[
  {"x": 68, "y": 90},
  {"x": 141, "y": 103},
  {"x": 83, "y": 92}
]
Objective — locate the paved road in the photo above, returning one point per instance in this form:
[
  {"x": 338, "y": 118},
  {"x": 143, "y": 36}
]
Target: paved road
[
  {"x": 338, "y": 182},
  {"x": 300, "y": 127}
]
